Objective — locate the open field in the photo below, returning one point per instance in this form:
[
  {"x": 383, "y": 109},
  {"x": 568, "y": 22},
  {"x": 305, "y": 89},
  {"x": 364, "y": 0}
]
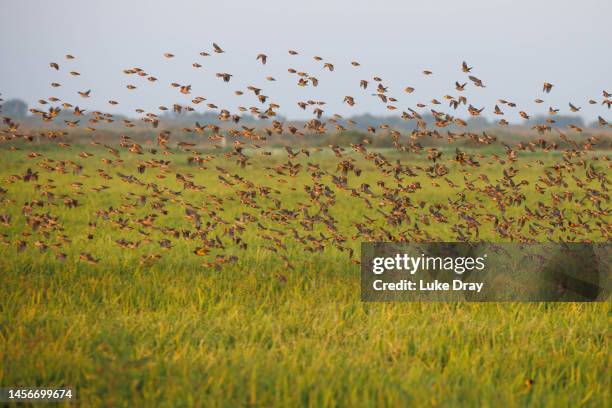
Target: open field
[
  {"x": 128, "y": 329},
  {"x": 315, "y": 204}
]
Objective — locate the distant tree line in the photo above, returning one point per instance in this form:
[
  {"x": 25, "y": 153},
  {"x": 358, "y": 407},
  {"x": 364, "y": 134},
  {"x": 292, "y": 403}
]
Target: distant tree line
[
  {"x": 14, "y": 108},
  {"x": 18, "y": 109}
]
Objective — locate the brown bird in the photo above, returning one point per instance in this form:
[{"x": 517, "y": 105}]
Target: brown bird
[
  {"x": 225, "y": 76},
  {"x": 476, "y": 81},
  {"x": 89, "y": 258},
  {"x": 217, "y": 49}
]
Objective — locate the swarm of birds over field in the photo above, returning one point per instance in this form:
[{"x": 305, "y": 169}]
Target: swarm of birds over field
[{"x": 230, "y": 150}]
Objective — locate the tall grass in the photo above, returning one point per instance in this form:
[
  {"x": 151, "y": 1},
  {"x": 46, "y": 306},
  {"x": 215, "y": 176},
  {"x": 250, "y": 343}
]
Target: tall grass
[{"x": 176, "y": 333}]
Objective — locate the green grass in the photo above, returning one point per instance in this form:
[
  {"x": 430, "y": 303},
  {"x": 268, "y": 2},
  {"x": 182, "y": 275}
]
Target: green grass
[{"x": 177, "y": 333}]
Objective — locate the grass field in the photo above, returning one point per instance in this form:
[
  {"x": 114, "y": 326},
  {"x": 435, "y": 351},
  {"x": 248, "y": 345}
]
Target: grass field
[{"x": 255, "y": 332}]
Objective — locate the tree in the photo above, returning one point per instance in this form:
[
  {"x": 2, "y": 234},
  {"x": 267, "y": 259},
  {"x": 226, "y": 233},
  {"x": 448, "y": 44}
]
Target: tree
[{"x": 14, "y": 108}]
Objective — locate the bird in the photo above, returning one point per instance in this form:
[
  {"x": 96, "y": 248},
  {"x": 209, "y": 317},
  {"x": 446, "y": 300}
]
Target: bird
[
  {"x": 476, "y": 81},
  {"x": 225, "y": 76},
  {"x": 263, "y": 58},
  {"x": 217, "y": 49}
]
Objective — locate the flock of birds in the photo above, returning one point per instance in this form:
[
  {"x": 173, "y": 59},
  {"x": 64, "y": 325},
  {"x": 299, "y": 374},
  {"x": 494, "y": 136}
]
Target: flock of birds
[{"x": 391, "y": 211}]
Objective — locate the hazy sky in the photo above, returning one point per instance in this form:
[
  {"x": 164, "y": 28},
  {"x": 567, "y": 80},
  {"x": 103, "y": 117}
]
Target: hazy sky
[{"x": 514, "y": 47}]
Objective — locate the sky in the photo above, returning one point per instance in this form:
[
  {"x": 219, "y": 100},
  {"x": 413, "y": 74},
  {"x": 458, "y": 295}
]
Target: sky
[{"x": 514, "y": 46}]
